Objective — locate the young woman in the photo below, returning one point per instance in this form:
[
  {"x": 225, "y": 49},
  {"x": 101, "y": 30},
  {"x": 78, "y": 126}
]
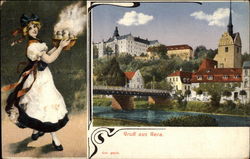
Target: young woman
[{"x": 35, "y": 102}]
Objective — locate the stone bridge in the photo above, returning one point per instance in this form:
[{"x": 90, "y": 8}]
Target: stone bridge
[{"x": 123, "y": 98}]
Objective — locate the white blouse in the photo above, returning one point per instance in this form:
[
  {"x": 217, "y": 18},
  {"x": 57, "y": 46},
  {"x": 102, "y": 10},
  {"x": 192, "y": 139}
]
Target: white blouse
[{"x": 36, "y": 50}]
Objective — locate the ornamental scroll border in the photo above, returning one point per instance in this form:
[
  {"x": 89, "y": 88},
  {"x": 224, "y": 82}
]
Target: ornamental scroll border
[
  {"x": 99, "y": 131},
  {"x": 96, "y": 136}
]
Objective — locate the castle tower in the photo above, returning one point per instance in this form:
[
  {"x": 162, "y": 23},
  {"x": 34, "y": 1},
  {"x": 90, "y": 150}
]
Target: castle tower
[
  {"x": 229, "y": 48},
  {"x": 116, "y": 33}
]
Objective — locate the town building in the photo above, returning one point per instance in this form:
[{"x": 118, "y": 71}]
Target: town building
[
  {"x": 128, "y": 44},
  {"x": 180, "y": 81},
  {"x": 209, "y": 73},
  {"x": 229, "y": 48},
  {"x": 185, "y": 52},
  {"x": 246, "y": 80},
  {"x": 134, "y": 79}
]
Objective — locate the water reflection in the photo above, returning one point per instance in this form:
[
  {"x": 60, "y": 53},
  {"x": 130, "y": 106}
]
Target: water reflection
[{"x": 157, "y": 116}]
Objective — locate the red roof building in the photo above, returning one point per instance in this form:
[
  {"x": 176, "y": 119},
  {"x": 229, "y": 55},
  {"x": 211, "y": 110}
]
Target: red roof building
[
  {"x": 208, "y": 72},
  {"x": 134, "y": 79},
  {"x": 179, "y": 47},
  {"x": 129, "y": 75},
  {"x": 184, "y": 76},
  {"x": 185, "y": 52}
]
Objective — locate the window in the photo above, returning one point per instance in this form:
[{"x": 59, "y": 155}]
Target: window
[
  {"x": 210, "y": 77},
  {"x": 237, "y": 76},
  {"x": 221, "y": 65},
  {"x": 225, "y": 76},
  {"x": 226, "y": 49},
  {"x": 246, "y": 72},
  {"x": 199, "y": 77},
  {"x": 238, "y": 50},
  {"x": 245, "y": 83}
]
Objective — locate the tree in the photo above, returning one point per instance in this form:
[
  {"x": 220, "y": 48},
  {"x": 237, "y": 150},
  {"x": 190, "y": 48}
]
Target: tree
[
  {"x": 108, "y": 72},
  {"x": 216, "y": 91},
  {"x": 200, "y": 51},
  {"x": 164, "y": 85},
  {"x": 199, "y": 92},
  {"x": 211, "y": 53},
  {"x": 227, "y": 93},
  {"x": 115, "y": 76},
  {"x": 245, "y": 57},
  {"x": 243, "y": 93},
  {"x": 95, "y": 52},
  {"x": 161, "y": 50},
  {"x": 108, "y": 51},
  {"x": 187, "y": 93}
]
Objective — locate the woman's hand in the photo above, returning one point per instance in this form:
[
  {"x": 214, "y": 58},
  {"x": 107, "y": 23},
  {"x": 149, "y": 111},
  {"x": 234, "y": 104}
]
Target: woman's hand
[{"x": 64, "y": 43}]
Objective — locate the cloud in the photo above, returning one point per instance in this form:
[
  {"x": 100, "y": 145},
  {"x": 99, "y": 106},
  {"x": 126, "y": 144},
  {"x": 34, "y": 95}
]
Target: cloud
[
  {"x": 218, "y": 18},
  {"x": 134, "y": 18},
  {"x": 1, "y": 3}
]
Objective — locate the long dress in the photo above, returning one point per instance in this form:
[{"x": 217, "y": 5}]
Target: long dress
[{"x": 35, "y": 102}]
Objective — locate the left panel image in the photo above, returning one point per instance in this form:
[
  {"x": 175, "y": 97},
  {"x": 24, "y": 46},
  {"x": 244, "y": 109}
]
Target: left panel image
[{"x": 43, "y": 79}]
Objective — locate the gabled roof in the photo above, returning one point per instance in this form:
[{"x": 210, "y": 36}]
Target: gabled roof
[
  {"x": 181, "y": 74},
  {"x": 179, "y": 47},
  {"x": 138, "y": 39},
  {"x": 123, "y": 36},
  {"x": 184, "y": 76},
  {"x": 129, "y": 75},
  {"x": 208, "y": 64}
]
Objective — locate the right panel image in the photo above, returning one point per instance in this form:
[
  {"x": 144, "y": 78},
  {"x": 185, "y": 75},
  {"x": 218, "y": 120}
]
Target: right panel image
[
  {"x": 171, "y": 64},
  {"x": 169, "y": 80}
]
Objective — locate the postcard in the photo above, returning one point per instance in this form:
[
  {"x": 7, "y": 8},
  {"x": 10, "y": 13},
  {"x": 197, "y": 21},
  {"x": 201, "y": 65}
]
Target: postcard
[
  {"x": 170, "y": 79},
  {"x": 142, "y": 79},
  {"x": 43, "y": 84}
]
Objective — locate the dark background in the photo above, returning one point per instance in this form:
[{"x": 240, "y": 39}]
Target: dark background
[{"x": 68, "y": 71}]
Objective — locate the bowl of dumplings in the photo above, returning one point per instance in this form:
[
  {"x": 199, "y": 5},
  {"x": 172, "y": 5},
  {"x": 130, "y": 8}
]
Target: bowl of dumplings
[{"x": 61, "y": 35}]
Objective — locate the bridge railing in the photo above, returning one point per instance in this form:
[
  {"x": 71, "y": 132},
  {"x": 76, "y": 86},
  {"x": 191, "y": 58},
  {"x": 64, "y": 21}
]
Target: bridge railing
[{"x": 130, "y": 89}]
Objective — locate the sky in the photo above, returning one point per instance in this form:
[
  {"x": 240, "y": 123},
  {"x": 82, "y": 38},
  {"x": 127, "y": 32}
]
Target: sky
[{"x": 173, "y": 23}]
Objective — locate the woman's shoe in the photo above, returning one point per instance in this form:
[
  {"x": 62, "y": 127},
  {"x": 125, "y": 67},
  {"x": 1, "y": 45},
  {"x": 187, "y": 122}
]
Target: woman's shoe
[
  {"x": 37, "y": 135},
  {"x": 58, "y": 148}
]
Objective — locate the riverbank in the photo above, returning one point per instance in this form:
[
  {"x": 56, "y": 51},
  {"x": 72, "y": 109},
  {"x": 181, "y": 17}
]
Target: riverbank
[
  {"x": 156, "y": 117},
  {"x": 191, "y": 106},
  {"x": 99, "y": 121}
]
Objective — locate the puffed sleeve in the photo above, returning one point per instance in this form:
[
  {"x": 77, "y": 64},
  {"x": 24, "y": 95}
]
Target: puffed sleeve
[{"x": 36, "y": 50}]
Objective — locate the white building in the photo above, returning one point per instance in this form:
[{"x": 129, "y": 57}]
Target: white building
[
  {"x": 129, "y": 44},
  {"x": 134, "y": 79},
  {"x": 180, "y": 81},
  {"x": 246, "y": 80}
]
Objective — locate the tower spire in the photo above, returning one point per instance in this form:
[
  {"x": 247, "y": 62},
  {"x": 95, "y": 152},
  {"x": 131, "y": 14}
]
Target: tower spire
[
  {"x": 230, "y": 24},
  {"x": 116, "y": 33}
]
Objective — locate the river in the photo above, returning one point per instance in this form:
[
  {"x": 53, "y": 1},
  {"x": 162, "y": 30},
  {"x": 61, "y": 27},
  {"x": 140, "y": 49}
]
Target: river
[{"x": 157, "y": 116}]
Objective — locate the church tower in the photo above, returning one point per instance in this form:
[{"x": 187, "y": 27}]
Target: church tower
[{"x": 229, "y": 48}]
